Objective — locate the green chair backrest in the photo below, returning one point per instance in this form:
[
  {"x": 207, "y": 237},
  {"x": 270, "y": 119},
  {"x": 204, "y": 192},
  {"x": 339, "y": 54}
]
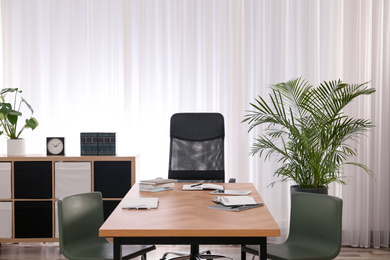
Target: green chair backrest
[
  {"x": 79, "y": 217},
  {"x": 316, "y": 219}
]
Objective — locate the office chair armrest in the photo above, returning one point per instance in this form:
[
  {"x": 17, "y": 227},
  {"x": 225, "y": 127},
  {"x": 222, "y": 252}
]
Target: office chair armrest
[{"x": 232, "y": 180}]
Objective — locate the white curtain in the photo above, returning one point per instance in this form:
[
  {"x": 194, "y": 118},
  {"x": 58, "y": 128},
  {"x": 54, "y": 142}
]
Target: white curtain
[
  {"x": 366, "y": 57},
  {"x": 126, "y": 66}
]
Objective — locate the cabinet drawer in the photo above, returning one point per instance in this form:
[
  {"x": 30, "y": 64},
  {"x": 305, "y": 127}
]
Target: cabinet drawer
[
  {"x": 72, "y": 178},
  {"x": 112, "y": 179},
  {"x": 33, "y": 180},
  {"x": 5, "y": 219},
  {"x": 33, "y": 219},
  {"x": 5, "y": 180}
]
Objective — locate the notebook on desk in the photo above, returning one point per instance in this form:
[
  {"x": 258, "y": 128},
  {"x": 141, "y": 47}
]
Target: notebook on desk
[
  {"x": 140, "y": 203},
  {"x": 202, "y": 186},
  {"x": 234, "y": 200},
  {"x": 234, "y": 203},
  {"x": 235, "y": 208}
]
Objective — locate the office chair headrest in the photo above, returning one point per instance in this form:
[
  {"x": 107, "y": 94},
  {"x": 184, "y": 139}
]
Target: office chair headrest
[{"x": 197, "y": 126}]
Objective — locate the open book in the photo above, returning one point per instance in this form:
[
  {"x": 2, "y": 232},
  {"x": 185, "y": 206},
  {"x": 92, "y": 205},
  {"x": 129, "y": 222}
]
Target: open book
[
  {"x": 234, "y": 200},
  {"x": 202, "y": 186}
]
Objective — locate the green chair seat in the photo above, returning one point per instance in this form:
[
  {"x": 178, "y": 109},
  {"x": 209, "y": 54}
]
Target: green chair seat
[{"x": 79, "y": 218}]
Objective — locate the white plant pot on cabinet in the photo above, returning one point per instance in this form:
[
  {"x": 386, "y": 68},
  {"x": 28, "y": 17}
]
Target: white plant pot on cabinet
[{"x": 16, "y": 147}]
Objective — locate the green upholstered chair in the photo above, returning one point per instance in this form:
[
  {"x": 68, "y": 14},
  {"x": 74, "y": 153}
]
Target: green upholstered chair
[
  {"x": 315, "y": 229},
  {"x": 80, "y": 217}
]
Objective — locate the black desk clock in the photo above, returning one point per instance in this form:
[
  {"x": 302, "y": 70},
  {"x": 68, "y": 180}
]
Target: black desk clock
[{"x": 55, "y": 146}]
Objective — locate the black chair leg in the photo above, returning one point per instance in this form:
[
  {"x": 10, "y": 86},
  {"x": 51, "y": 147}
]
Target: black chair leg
[{"x": 243, "y": 253}]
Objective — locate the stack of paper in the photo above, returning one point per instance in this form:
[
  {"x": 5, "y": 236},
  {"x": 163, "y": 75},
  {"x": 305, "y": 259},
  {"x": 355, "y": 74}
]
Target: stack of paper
[{"x": 156, "y": 185}]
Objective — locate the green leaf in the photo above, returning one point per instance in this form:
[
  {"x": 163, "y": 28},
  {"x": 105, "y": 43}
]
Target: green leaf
[
  {"x": 28, "y": 105},
  {"x": 9, "y": 90},
  {"x": 5, "y": 108},
  {"x": 12, "y": 118},
  {"x": 31, "y": 123}
]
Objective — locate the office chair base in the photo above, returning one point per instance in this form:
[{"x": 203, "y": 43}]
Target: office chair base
[
  {"x": 204, "y": 254},
  {"x": 198, "y": 257}
]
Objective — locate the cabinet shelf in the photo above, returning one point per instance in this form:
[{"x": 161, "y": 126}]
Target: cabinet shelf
[{"x": 33, "y": 184}]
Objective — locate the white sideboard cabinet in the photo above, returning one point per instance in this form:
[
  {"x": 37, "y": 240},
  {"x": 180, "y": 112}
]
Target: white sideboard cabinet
[{"x": 31, "y": 185}]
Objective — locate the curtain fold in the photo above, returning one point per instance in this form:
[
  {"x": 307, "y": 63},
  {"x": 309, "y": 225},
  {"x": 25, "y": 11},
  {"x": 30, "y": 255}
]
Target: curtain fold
[
  {"x": 366, "y": 58},
  {"x": 126, "y": 66}
]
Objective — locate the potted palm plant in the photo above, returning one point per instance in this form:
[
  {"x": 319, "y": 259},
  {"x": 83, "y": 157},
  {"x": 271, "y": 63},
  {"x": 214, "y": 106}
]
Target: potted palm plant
[
  {"x": 308, "y": 132},
  {"x": 9, "y": 119}
]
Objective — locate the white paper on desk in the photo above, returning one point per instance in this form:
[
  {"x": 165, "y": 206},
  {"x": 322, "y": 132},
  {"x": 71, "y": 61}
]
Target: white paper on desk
[
  {"x": 134, "y": 203},
  {"x": 235, "y": 200},
  {"x": 204, "y": 186}
]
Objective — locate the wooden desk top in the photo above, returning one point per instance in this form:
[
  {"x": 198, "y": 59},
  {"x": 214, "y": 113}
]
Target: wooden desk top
[{"x": 185, "y": 214}]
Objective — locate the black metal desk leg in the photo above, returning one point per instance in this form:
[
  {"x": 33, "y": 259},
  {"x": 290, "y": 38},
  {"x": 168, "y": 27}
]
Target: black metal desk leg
[
  {"x": 117, "y": 248},
  {"x": 263, "y": 248}
]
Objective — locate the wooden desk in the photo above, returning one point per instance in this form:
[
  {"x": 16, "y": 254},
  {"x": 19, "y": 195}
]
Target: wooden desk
[{"x": 182, "y": 217}]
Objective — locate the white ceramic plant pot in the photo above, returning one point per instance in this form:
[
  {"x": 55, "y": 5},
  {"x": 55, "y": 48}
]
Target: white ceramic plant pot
[{"x": 16, "y": 147}]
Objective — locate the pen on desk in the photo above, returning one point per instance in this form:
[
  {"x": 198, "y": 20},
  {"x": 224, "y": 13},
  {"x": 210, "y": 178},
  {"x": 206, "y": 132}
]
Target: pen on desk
[
  {"x": 198, "y": 184},
  {"x": 137, "y": 207}
]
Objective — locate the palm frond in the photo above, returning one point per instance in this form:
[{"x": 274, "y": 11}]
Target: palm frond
[{"x": 306, "y": 129}]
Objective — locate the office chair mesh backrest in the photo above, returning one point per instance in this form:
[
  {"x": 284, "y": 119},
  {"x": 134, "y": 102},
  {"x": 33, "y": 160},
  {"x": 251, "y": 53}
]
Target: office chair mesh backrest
[{"x": 197, "y": 147}]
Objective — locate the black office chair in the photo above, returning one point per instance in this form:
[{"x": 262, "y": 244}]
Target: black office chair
[
  {"x": 315, "y": 230},
  {"x": 197, "y": 147},
  {"x": 79, "y": 218},
  {"x": 197, "y": 155}
]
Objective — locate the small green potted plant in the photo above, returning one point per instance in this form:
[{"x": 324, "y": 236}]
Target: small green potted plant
[
  {"x": 9, "y": 119},
  {"x": 308, "y": 132}
]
